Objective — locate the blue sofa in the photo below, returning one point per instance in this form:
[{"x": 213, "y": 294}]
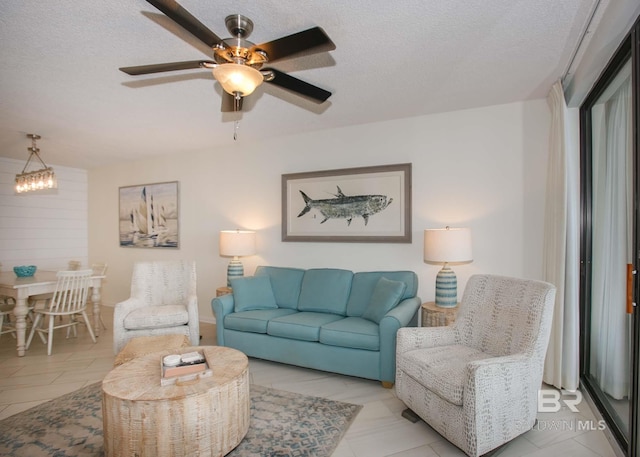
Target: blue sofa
[{"x": 327, "y": 319}]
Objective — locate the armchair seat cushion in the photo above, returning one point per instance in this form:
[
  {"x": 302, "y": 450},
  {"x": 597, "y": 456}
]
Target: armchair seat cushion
[
  {"x": 441, "y": 369},
  {"x": 149, "y": 317}
]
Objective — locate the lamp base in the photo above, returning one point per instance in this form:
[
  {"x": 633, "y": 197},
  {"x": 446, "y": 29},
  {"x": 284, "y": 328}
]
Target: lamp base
[
  {"x": 234, "y": 270},
  {"x": 446, "y": 288}
]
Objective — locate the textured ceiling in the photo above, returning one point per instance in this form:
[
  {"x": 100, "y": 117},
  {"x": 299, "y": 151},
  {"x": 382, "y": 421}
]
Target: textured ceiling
[{"x": 59, "y": 72}]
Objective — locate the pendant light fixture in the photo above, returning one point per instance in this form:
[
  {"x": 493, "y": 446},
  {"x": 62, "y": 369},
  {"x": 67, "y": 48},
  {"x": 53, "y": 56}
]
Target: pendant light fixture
[{"x": 32, "y": 181}]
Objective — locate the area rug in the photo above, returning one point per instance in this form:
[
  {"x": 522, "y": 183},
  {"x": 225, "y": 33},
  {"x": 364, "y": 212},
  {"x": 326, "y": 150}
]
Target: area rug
[{"x": 282, "y": 424}]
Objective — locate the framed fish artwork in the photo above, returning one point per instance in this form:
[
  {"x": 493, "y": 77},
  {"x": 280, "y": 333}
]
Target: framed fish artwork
[
  {"x": 364, "y": 205},
  {"x": 148, "y": 215}
]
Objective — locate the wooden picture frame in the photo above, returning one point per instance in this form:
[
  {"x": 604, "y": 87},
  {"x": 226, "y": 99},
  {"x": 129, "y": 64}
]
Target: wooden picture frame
[
  {"x": 149, "y": 216},
  {"x": 365, "y": 204}
]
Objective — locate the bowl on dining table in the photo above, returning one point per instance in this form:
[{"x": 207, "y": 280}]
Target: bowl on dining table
[{"x": 24, "y": 271}]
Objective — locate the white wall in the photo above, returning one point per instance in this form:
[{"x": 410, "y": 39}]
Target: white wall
[
  {"x": 482, "y": 168},
  {"x": 43, "y": 230}
]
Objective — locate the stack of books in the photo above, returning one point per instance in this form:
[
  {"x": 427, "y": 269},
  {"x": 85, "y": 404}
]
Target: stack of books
[{"x": 182, "y": 368}]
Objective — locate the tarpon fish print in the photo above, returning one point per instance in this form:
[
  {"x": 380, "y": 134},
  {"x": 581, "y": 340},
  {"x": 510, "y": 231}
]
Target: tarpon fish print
[{"x": 346, "y": 207}]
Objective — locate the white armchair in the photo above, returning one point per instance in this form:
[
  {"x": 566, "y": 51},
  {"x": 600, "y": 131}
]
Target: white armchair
[
  {"x": 476, "y": 382},
  {"x": 163, "y": 301}
]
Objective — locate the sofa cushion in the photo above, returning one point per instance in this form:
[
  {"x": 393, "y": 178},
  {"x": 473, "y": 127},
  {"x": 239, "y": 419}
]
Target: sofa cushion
[
  {"x": 386, "y": 295},
  {"x": 156, "y": 317},
  {"x": 351, "y": 332},
  {"x": 252, "y": 292},
  {"x": 325, "y": 290},
  {"x": 254, "y": 321},
  {"x": 301, "y": 325},
  {"x": 364, "y": 282},
  {"x": 442, "y": 369},
  {"x": 285, "y": 283}
]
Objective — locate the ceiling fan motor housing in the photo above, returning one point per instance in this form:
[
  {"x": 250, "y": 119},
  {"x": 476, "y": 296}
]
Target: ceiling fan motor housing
[
  {"x": 238, "y": 25},
  {"x": 238, "y": 51}
]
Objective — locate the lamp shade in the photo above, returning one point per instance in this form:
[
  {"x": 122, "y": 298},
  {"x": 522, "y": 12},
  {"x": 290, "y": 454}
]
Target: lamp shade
[
  {"x": 237, "y": 243},
  {"x": 237, "y": 79},
  {"x": 447, "y": 245}
]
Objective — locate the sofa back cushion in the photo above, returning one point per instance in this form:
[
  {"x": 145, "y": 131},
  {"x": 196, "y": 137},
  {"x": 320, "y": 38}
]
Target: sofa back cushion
[
  {"x": 252, "y": 292},
  {"x": 285, "y": 284},
  {"x": 365, "y": 282},
  {"x": 325, "y": 290}
]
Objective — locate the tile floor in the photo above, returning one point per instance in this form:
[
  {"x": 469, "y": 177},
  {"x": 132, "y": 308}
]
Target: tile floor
[{"x": 379, "y": 429}]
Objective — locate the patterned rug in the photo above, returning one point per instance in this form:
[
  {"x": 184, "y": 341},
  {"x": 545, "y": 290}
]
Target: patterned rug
[{"x": 282, "y": 424}]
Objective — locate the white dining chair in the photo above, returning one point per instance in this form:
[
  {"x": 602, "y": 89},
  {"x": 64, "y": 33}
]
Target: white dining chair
[
  {"x": 70, "y": 300},
  {"x": 5, "y": 325},
  {"x": 5, "y": 299}
]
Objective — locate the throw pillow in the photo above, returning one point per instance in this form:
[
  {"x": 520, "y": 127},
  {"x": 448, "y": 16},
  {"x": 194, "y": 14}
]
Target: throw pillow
[
  {"x": 386, "y": 295},
  {"x": 252, "y": 292}
]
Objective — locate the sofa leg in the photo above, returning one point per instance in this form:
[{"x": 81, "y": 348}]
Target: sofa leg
[
  {"x": 410, "y": 415},
  {"x": 387, "y": 384}
]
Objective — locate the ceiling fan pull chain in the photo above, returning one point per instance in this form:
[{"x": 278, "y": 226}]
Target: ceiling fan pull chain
[{"x": 235, "y": 129}]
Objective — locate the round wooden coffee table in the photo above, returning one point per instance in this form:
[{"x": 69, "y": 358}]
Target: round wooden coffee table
[{"x": 207, "y": 418}]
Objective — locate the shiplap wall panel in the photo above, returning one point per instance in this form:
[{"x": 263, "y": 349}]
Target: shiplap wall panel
[{"x": 46, "y": 230}]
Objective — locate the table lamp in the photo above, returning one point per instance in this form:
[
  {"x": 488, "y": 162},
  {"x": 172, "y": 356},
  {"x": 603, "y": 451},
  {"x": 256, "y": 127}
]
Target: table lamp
[
  {"x": 447, "y": 246},
  {"x": 236, "y": 243}
]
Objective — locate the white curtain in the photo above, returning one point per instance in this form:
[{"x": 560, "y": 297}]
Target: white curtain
[
  {"x": 612, "y": 240},
  {"x": 561, "y": 242}
]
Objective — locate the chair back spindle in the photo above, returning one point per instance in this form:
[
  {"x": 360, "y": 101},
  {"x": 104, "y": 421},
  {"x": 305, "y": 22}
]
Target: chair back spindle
[{"x": 71, "y": 292}]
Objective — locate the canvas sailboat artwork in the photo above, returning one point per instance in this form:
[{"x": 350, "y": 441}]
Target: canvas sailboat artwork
[{"x": 149, "y": 215}]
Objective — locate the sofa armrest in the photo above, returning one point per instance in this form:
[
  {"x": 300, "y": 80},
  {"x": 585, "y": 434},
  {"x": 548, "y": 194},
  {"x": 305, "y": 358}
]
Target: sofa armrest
[
  {"x": 400, "y": 316},
  {"x": 221, "y": 306},
  {"x": 505, "y": 389},
  {"x": 410, "y": 338}
]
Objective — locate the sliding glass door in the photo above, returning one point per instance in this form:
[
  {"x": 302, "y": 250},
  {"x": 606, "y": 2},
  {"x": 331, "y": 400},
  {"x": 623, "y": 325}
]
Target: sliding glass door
[{"x": 610, "y": 238}]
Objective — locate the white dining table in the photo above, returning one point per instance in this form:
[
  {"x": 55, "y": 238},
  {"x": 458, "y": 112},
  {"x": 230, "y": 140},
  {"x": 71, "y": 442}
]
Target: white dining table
[{"x": 43, "y": 282}]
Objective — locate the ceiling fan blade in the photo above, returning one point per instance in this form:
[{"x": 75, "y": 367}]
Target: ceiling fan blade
[
  {"x": 161, "y": 67},
  {"x": 297, "y": 85},
  {"x": 306, "y": 42},
  {"x": 187, "y": 21},
  {"x": 230, "y": 104}
]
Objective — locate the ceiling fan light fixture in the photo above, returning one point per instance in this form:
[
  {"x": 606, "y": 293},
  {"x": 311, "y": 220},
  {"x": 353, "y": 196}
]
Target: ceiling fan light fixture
[{"x": 237, "y": 78}]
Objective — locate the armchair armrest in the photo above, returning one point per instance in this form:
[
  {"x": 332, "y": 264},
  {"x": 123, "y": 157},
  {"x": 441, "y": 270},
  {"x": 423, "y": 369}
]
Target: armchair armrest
[
  {"x": 194, "y": 321},
  {"x": 221, "y": 306},
  {"x": 125, "y": 307},
  {"x": 121, "y": 311},
  {"x": 410, "y": 338},
  {"x": 505, "y": 389}
]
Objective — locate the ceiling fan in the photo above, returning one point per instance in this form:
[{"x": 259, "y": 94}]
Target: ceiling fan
[{"x": 237, "y": 63}]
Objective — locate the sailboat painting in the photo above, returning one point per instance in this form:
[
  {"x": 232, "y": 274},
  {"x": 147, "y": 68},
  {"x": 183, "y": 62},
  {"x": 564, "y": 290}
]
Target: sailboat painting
[{"x": 149, "y": 215}]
